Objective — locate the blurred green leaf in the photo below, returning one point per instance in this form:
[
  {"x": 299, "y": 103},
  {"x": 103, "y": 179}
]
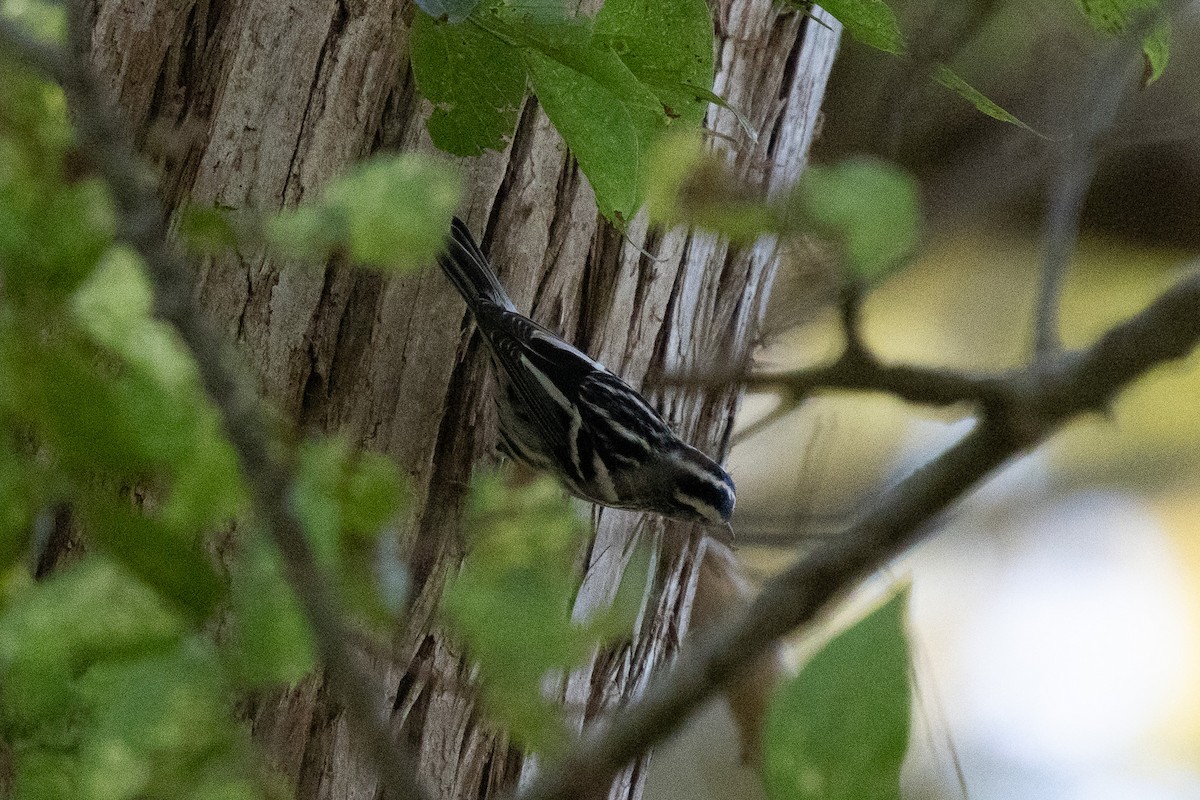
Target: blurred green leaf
[
  {"x": 475, "y": 80},
  {"x": 1115, "y": 16},
  {"x": 511, "y": 601},
  {"x": 55, "y": 221},
  {"x": 397, "y": 209},
  {"x": 49, "y": 382},
  {"x": 103, "y": 695},
  {"x": 271, "y": 640},
  {"x": 372, "y": 494},
  {"x": 869, "y": 206},
  {"x": 1156, "y": 48},
  {"x": 153, "y": 723},
  {"x": 175, "y": 567},
  {"x": 25, "y": 489},
  {"x": 207, "y": 230},
  {"x": 307, "y": 233},
  {"x": 321, "y": 468},
  {"x": 349, "y": 503},
  {"x": 51, "y": 236},
  {"x": 186, "y": 443},
  {"x": 872, "y": 22},
  {"x": 42, "y": 19},
  {"x": 839, "y": 730},
  {"x": 688, "y": 184},
  {"x": 390, "y": 211},
  {"x": 340, "y": 491},
  {"x": 57, "y": 620}
]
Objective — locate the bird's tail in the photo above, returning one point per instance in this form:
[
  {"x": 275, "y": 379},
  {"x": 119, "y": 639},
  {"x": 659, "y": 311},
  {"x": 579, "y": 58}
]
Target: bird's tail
[{"x": 468, "y": 269}]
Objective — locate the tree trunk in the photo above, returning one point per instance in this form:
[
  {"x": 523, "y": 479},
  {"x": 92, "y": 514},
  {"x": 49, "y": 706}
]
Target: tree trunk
[{"x": 256, "y": 104}]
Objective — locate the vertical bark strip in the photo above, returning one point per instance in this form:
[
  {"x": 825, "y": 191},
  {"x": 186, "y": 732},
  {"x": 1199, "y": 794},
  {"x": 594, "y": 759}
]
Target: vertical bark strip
[{"x": 255, "y": 104}]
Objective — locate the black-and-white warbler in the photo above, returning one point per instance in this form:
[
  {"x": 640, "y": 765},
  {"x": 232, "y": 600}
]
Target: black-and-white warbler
[{"x": 563, "y": 413}]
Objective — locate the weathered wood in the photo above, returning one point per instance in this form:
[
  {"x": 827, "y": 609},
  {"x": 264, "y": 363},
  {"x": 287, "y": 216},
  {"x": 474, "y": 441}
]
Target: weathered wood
[{"x": 256, "y": 104}]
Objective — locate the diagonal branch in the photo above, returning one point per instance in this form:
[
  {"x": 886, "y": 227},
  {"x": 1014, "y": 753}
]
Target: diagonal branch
[
  {"x": 1037, "y": 403},
  {"x": 265, "y": 465}
]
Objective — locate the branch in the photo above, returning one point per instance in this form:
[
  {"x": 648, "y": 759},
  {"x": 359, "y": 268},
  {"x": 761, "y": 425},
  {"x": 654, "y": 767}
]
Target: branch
[
  {"x": 1038, "y": 402},
  {"x": 266, "y": 468},
  {"x": 859, "y": 369}
]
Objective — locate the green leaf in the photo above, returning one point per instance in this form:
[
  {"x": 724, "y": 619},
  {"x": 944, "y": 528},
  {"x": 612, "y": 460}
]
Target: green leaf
[
  {"x": 1156, "y": 49},
  {"x": 174, "y": 567},
  {"x": 667, "y": 45},
  {"x": 154, "y": 724},
  {"x": 607, "y": 116},
  {"x": 1115, "y": 16},
  {"x": 609, "y": 136},
  {"x": 51, "y": 236},
  {"x": 56, "y": 620},
  {"x": 475, "y": 80},
  {"x": 872, "y": 22},
  {"x": 688, "y": 184},
  {"x": 610, "y": 89},
  {"x": 25, "y": 487},
  {"x": 869, "y": 206},
  {"x": 955, "y": 83},
  {"x": 349, "y": 503},
  {"x": 271, "y": 640},
  {"x": 207, "y": 230},
  {"x": 45, "y": 20},
  {"x": 708, "y": 96},
  {"x": 307, "y": 233},
  {"x": 510, "y": 602},
  {"x": 397, "y": 209},
  {"x": 839, "y": 730}
]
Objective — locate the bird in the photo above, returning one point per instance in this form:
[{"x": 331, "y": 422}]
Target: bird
[{"x": 563, "y": 413}]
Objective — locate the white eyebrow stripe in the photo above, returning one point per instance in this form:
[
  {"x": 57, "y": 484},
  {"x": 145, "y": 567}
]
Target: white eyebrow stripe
[
  {"x": 699, "y": 472},
  {"x": 699, "y": 506}
]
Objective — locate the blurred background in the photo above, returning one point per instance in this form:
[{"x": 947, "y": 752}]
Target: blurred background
[{"x": 1056, "y": 614}]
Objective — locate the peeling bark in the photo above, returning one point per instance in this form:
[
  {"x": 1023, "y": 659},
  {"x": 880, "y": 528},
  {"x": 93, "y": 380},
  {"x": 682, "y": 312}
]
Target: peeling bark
[{"x": 255, "y": 104}]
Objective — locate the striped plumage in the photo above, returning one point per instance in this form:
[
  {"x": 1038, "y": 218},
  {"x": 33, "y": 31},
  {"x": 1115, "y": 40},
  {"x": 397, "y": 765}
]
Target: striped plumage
[{"x": 564, "y": 413}]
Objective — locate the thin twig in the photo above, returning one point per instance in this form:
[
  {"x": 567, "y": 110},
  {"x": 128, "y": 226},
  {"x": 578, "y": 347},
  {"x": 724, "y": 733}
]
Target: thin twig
[
  {"x": 919, "y": 385},
  {"x": 267, "y": 469},
  {"x": 1073, "y": 173},
  {"x": 1106, "y": 85},
  {"x": 1074, "y": 383},
  {"x": 859, "y": 369}
]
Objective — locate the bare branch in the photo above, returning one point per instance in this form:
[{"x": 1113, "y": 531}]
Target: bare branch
[
  {"x": 1038, "y": 402},
  {"x": 266, "y": 467},
  {"x": 920, "y": 385},
  {"x": 859, "y": 369}
]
